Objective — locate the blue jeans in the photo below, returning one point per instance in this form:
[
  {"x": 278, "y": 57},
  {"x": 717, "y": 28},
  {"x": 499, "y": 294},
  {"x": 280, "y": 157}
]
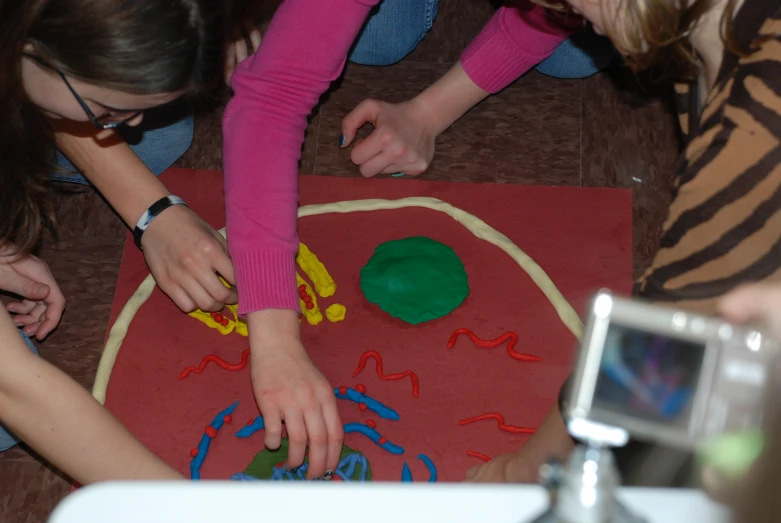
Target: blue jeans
[
  {"x": 8, "y": 440},
  {"x": 583, "y": 54},
  {"x": 396, "y": 27},
  {"x": 163, "y": 137},
  {"x": 393, "y": 30}
]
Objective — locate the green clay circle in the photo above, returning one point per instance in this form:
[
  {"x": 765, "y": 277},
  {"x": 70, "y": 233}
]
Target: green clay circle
[{"x": 415, "y": 279}]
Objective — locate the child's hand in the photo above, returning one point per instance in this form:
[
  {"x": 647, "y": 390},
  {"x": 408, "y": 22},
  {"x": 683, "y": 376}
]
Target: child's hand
[
  {"x": 241, "y": 45},
  {"x": 550, "y": 441},
  {"x": 760, "y": 303},
  {"x": 288, "y": 387},
  {"x": 402, "y": 140},
  {"x": 185, "y": 255},
  {"x": 43, "y": 303},
  {"x": 507, "y": 468}
]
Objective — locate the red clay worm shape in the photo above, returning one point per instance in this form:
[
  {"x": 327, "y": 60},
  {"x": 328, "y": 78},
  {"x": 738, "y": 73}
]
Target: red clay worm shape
[
  {"x": 219, "y": 361},
  {"x": 500, "y": 419},
  {"x": 478, "y": 455},
  {"x": 396, "y": 376},
  {"x": 510, "y": 337}
]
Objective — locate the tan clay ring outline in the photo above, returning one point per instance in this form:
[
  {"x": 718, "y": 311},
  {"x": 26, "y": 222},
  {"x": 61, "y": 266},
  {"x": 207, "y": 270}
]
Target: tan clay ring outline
[{"x": 471, "y": 222}]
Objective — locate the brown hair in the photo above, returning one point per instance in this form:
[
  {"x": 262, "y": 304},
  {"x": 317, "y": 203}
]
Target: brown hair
[
  {"x": 655, "y": 33},
  {"x": 139, "y": 47}
]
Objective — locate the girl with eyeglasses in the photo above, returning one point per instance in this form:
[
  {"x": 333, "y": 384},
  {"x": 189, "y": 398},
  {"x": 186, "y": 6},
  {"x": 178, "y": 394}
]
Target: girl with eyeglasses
[{"x": 76, "y": 75}]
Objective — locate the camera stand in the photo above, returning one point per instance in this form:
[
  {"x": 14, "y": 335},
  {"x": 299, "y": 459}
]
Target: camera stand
[{"x": 583, "y": 490}]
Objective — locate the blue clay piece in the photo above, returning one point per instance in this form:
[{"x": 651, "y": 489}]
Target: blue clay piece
[
  {"x": 350, "y": 462},
  {"x": 432, "y": 469},
  {"x": 240, "y": 476},
  {"x": 203, "y": 446},
  {"x": 249, "y": 430},
  {"x": 364, "y": 467},
  {"x": 345, "y": 471},
  {"x": 371, "y": 403},
  {"x": 372, "y": 435},
  {"x": 406, "y": 474}
]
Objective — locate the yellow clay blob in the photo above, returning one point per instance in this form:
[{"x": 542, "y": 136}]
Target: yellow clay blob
[
  {"x": 315, "y": 271},
  {"x": 335, "y": 312},
  {"x": 237, "y": 324}
]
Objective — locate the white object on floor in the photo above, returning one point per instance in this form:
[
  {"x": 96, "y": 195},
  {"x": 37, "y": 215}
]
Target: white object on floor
[{"x": 224, "y": 501}]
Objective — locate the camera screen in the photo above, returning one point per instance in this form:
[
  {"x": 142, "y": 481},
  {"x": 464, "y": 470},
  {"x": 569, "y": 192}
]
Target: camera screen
[{"x": 646, "y": 375}]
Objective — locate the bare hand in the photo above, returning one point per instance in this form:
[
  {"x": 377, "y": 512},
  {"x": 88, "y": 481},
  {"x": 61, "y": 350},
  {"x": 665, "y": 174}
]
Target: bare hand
[
  {"x": 550, "y": 441},
  {"x": 759, "y": 303},
  {"x": 402, "y": 140},
  {"x": 289, "y": 387},
  {"x": 240, "y": 46},
  {"x": 185, "y": 256},
  {"x": 42, "y": 304},
  {"x": 507, "y": 468}
]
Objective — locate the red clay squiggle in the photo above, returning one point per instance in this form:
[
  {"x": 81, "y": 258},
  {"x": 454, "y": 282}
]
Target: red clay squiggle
[
  {"x": 219, "y": 361},
  {"x": 510, "y": 337},
  {"x": 396, "y": 376},
  {"x": 500, "y": 419},
  {"x": 477, "y": 455}
]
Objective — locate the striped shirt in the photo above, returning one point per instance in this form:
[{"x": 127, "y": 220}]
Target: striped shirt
[{"x": 723, "y": 228}]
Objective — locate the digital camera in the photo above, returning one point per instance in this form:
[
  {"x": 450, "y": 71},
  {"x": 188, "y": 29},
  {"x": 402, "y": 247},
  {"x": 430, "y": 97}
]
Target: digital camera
[{"x": 665, "y": 375}]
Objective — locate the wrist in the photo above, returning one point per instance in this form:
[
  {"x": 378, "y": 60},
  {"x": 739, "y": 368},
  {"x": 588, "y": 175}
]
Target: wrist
[
  {"x": 449, "y": 98},
  {"x": 153, "y": 212},
  {"x": 273, "y": 327},
  {"x": 434, "y": 115}
]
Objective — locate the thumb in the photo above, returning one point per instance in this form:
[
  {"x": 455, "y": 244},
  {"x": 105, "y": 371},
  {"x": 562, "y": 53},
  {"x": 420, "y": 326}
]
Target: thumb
[
  {"x": 366, "y": 111},
  {"x": 27, "y": 288}
]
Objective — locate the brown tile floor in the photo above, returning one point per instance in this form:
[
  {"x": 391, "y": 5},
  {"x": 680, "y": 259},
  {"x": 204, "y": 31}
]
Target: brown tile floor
[{"x": 538, "y": 131}]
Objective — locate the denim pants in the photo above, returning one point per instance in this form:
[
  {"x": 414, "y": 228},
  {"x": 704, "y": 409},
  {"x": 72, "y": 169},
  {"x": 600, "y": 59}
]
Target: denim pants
[{"x": 396, "y": 27}]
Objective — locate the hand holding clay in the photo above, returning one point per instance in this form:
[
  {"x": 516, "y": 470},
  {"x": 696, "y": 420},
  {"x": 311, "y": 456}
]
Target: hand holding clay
[
  {"x": 289, "y": 388},
  {"x": 42, "y": 304},
  {"x": 402, "y": 140},
  {"x": 185, "y": 255}
]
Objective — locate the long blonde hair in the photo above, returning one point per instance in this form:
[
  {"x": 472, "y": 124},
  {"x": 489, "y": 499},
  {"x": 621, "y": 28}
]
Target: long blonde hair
[{"x": 656, "y": 32}]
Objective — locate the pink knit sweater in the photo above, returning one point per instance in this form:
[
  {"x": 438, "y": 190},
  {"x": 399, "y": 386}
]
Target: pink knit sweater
[{"x": 302, "y": 52}]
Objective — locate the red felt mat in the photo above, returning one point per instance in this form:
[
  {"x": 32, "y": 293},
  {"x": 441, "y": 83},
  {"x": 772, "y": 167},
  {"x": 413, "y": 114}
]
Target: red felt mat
[{"x": 580, "y": 237}]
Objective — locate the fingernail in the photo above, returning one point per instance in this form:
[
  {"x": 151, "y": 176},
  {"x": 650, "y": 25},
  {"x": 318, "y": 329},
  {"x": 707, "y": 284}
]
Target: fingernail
[
  {"x": 328, "y": 475},
  {"x": 317, "y": 479},
  {"x": 342, "y": 140},
  {"x": 293, "y": 470}
]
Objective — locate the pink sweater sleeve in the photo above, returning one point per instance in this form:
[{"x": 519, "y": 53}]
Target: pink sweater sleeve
[
  {"x": 302, "y": 52},
  {"x": 518, "y": 37}
]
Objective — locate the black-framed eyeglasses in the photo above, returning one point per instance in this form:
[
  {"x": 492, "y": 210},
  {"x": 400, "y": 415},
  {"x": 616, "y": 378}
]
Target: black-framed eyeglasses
[{"x": 110, "y": 120}]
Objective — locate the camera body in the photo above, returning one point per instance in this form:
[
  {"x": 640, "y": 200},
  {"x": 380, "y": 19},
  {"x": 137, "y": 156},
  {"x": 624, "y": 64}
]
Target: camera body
[{"x": 666, "y": 375}]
